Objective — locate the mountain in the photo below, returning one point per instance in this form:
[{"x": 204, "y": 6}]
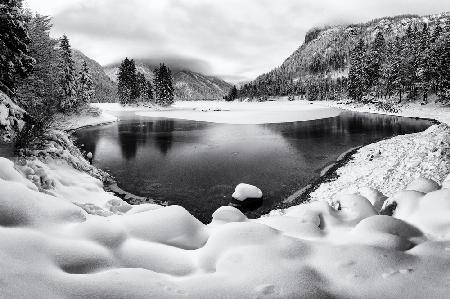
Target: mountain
[
  {"x": 188, "y": 85},
  {"x": 195, "y": 86},
  {"x": 325, "y": 53},
  {"x": 105, "y": 88}
]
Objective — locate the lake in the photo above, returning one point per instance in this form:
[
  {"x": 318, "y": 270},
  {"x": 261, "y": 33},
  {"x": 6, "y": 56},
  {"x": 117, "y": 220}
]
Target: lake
[{"x": 198, "y": 164}]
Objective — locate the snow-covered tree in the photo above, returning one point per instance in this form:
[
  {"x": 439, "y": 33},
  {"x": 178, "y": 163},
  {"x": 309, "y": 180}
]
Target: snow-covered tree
[
  {"x": 67, "y": 76},
  {"x": 14, "y": 53},
  {"x": 39, "y": 93},
  {"x": 357, "y": 82},
  {"x": 85, "y": 86},
  {"x": 127, "y": 89},
  {"x": 163, "y": 86}
]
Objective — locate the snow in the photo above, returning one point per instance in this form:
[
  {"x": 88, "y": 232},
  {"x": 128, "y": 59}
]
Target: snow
[
  {"x": 75, "y": 122},
  {"x": 380, "y": 230},
  {"x": 391, "y": 164},
  {"x": 244, "y": 191},
  {"x": 52, "y": 248},
  {"x": 244, "y": 112},
  {"x": 430, "y": 110}
]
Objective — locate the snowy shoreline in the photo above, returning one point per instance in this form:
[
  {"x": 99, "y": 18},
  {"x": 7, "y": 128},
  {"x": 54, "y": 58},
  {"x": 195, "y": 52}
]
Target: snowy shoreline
[{"x": 63, "y": 236}]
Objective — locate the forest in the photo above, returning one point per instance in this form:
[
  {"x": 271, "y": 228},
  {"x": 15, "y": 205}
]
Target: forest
[{"x": 411, "y": 64}]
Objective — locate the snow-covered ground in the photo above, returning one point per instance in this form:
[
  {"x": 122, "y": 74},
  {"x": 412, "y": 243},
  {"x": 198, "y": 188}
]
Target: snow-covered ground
[
  {"x": 75, "y": 121},
  {"x": 389, "y": 165},
  {"x": 51, "y": 248},
  {"x": 244, "y": 112},
  {"x": 63, "y": 236},
  {"x": 430, "y": 111}
]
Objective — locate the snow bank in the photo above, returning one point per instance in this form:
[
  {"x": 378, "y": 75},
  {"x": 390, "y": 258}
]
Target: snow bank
[
  {"x": 244, "y": 112},
  {"x": 52, "y": 248},
  {"x": 77, "y": 121},
  {"x": 391, "y": 164}
]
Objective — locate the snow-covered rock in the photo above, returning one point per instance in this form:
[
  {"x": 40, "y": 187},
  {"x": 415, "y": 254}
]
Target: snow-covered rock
[
  {"x": 228, "y": 214},
  {"x": 245, "y": 191}
]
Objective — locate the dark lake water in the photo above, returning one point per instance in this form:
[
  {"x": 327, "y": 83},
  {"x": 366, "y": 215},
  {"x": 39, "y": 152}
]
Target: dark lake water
[{"x": 198, "y": 164}]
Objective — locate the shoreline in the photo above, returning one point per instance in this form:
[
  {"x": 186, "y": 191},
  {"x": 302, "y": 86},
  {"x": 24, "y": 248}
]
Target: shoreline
[{"x": 328, "y": 174}]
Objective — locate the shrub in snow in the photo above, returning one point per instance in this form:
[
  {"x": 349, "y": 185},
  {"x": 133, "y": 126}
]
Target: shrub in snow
[{"x": 245, "y": 191}]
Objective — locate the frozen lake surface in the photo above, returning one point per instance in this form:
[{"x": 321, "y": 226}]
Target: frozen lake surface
[{"x": 197, "y": 164}]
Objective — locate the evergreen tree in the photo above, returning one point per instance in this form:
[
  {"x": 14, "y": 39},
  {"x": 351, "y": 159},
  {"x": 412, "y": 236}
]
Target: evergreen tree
[
  {"x": 424, "y": 63},
  {"x": 39, "y": 93},
  {"x": 85, "y": 86},
  {"x": 374, "y": 61},
  {"x": 127, "y": 89},
  {"x": 444, "y": 71},
  {"x": 67, "y": 76},
  {"x": 232, "y": 94},
  {"x": 163, "y": 86},
  {"x": 357, "y": 82},
  {"x": 14, "y": 54}
]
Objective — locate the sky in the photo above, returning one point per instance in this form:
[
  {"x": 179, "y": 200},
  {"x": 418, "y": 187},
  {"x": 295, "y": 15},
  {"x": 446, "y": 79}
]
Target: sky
[{"x": 236, "y": 40}]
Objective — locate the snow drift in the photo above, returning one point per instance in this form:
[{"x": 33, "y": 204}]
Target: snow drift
[{"x": 53, "y": 248}]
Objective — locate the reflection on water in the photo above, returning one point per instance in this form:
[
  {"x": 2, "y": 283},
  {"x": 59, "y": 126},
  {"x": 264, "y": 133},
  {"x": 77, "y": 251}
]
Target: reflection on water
[{"x": 197, "y": 164}]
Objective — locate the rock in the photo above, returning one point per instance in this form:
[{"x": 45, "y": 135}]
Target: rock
[{"x": 245, "y": 191}]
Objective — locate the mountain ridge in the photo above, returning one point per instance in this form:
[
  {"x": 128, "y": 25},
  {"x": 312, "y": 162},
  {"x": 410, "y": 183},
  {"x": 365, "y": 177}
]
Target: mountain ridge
[{"x": 325, "y": 52}]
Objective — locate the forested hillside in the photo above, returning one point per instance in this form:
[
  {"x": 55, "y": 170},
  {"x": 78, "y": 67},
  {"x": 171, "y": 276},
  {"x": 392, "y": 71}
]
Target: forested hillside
[
  {"x": 105, "y": 88},
  {"x": 397, "y": 58}
]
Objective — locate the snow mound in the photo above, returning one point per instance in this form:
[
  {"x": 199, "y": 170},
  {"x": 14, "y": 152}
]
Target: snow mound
[
  {"x": 52, "y": 248},
  {"x": 245, "y": 191}
]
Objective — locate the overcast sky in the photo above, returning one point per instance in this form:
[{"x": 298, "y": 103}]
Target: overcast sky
[{"x": 234, "y": 39}]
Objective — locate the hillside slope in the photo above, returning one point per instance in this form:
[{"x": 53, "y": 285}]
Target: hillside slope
[
  {"x": 105, "y": 88},
  {"x": 188, "y": 85},
  {"x": 326, "y": 52}
]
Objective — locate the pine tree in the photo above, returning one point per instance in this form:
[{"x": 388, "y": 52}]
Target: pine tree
[
  {"x": 444, "y": 71},
  {"x": 85, "y": 86},
  {"x": 68, "y": 103},
  {"x": 424, "y": 66},
  {"x": 357, "y": 82},
  {"x": 40, "y": 92},
  {"x": 374, "y": 61},
  {"x": 163, "y": 86},
  {"x": 232, "y": 94},
  {"x": 127, "y": 89},
  {"x": 14, "y": 53}
]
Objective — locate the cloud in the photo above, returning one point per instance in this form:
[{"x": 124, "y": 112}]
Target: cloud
[{"x": 233, "y": 38}]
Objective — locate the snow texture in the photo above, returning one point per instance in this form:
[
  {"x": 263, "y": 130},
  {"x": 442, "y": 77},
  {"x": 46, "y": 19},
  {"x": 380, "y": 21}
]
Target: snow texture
[{"x": 53, "y": 248}]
